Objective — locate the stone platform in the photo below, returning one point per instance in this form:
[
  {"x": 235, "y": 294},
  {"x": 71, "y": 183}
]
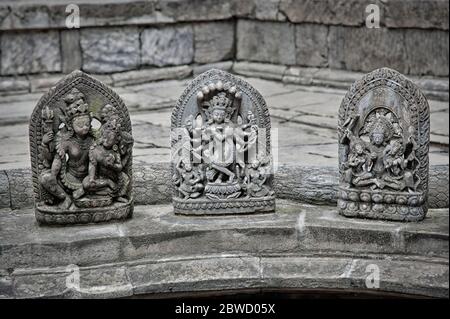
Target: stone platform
[{"x": 299, "y": 246}]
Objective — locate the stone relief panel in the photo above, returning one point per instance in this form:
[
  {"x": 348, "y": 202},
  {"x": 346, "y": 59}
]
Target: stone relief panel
[
  {"x": 81, "y": 153},
  {"x": 384, "y": 128},
  {"x": 221, "y": 152}
]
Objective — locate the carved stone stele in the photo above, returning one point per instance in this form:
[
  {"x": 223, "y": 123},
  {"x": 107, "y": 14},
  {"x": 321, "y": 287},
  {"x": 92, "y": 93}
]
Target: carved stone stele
[
  {"x": 221, "y": 152},
  {"x": 384, "y": 134},
  {"x": 81, "y": 153}
]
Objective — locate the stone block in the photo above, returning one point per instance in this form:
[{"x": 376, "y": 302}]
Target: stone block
[
  {"x": 416, "y": 14},
  {"x": 106, "y": 50},
  {"x": 271, "y": 42},
  {"x": 167, "y": 46},
  {"x": 70, "y": 50},
  {"x": 427, "y": 52},
  {"x": 225, "y": 66},
  {"x": 335, "y": 12},
  {"x": 148, "y": 75},
  {"x": 311, "y": 45},
  {"x": 5, "y": 200},
  {"x": 31, "y": 52},
  {"x": 260, "y": 70},
  {"x": 14, "y": 85},
  {"x": 213, "y": 41},
  {"x": 362, "y": 49},
  {"x": 196, "y": 10}
]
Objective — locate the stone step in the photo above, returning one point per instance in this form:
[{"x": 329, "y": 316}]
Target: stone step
[{"x": 299, "y": 246}]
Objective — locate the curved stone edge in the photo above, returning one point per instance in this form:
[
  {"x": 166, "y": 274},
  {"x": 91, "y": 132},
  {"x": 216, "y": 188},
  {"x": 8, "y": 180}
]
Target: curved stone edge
[
  {"x": 152, "y": 185},
  {"x": 212, "y": 273}
]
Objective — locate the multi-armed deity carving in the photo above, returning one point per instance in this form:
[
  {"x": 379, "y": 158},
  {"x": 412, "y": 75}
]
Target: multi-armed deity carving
[
  {"x": 383, "y": 148},
  {"x": 221, "y": 160},
  {"x": 81, "y": 148}
]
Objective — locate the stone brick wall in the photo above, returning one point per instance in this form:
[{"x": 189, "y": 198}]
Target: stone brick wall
[{"x": 124, "y": 35}]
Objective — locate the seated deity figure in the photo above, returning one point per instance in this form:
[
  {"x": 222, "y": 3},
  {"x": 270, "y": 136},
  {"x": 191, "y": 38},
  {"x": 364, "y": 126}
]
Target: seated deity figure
[
  {"x": 107, "y": 158},
  {"x": 70, "y": 163},
  {"x": 256, "y": 177},
  {"x": 189, "y": 180}
]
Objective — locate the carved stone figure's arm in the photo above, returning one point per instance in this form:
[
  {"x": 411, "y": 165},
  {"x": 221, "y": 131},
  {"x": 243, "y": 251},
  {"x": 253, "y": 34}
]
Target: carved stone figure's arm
[
  {"x": 56, "y": 165},
  {"x": 92, "y": 166}
]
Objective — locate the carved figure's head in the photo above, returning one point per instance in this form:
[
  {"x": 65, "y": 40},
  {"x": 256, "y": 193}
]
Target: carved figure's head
[
  {"x": 77, "y": 113},
  {"x": 110, "y": 133}
]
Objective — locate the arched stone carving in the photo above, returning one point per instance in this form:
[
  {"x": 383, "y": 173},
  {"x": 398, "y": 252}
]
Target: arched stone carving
[
  {"x": 81, "y": 153},
  {"x": 221, "y": 150},
  {"x": 384, "y": 128}
]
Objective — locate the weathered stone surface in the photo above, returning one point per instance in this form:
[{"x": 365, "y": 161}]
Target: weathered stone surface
[
  {"x": 225, "y": 66},
  {"x": 302, "y": 246},
  {"x": 31, "y": 52},
  {"x": 342, "y": 12},
  {"x": 42, "y": 82},
  {"x": 148, "y": 75},
  {"x": 106, "y": 50},
  {"x": 197, "y": 10},
  {"x": 14, "y": 85},
  {"x": 311, "y": 45},
  {"x": 70, "y": 50},
  {"x": 416, "y": 14},
  {"x": 271, "y": 42},
  {"x": 418, "y": 45},
  {"x": 167, "y": 46},
  {"x": 362, "y": 49},
  {"x": 213, "y": 41},
  {"x": 4, "y": 190},
  {"x": 261, "y": 70}
]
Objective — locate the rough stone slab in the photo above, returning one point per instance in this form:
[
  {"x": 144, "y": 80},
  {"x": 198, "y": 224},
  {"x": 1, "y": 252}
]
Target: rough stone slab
[
  {"x": 333, "y": 12},
  {"x": 42, "y": 82},
  {"x": 148, "y": 75},
  {"x": 197, "y": 10},
  {"x": 30, "y": 52},
  {"x": 419, "y": 44},
  {"x": 379, "y": 47},
  {"x": 311, "y": 46},
  {"x": 14, "y": 85},
  {"x": 195, "y": 275},
  {"x": 200, "y": 68},
  {"x": 5, "y": 199},
  {"x": 260, "y": 70},
  {"x": 253, "y": 38},
  {"x": 213, "y": 41},
  {"x": 416, "y": 14},
  {"x": 299, "y": 75},
  {"x": 156, "y": 232},
  {"x": 70, "y": 50},
  {"x": 106, "y": 50},
  {"x": 167, "y": 46}
]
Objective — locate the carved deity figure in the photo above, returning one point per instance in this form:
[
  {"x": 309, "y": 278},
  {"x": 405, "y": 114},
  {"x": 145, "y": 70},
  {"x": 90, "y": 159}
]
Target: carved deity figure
[
  {"x": 212, "y": 162},
  {"x": 380, "y": 152},
  {"x": 81, "y": 174}
]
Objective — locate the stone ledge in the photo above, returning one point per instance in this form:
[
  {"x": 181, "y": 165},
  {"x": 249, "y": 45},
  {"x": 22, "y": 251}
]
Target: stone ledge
[
  {"x": 16, "y": 15},
  {"x": 152, "y": 185},
  {"x": 300, "y": 246},
  {"x": 435, "y": 88}
]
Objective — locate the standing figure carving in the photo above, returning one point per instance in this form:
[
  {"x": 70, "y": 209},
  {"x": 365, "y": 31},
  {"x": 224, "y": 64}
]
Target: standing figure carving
[
  {"x": 81, "y": 173},
  {"x": 383, "y": 148},
  {"x": 221, "y": 160}
]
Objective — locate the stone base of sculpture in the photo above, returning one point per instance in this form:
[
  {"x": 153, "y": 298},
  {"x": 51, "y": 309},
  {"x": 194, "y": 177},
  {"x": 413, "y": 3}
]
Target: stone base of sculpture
[
  {"x": 395, "y": 206},
  {"x": 51, "y": 215},
  {"x": 224, "y": 206}
]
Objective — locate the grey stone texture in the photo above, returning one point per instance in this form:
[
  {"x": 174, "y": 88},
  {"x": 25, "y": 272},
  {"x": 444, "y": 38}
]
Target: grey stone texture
[
  {"x": 427, "y": 52},
  {"x": 332, "y": 12},
  {"x": 106, "y": 50},
  {"x": 362, "y": 49},
  {"x": 70, "y": 50},
  {"x": 300, "y": 246},
  {"x": 311, "y": 45},
  {"x": 167, "y": 46},
  {"x": 213, "y": 41},
  {"x": 30, "y": 52},
  {"x": 271, "y": 42},
  {"x": 149, "y": 75},
  {"x": 430, "y": 14}
]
